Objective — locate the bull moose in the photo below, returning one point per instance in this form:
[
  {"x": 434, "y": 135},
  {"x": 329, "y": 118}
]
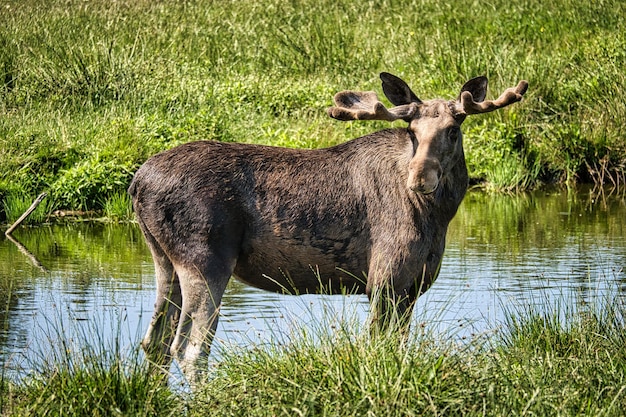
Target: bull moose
[{"x": 369, "y": 215}]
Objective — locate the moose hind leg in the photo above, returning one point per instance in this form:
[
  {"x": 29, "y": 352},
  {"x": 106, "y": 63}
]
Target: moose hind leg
[
  {"x": 202, "y": 287},
  {"x": 156, "y": 343}
]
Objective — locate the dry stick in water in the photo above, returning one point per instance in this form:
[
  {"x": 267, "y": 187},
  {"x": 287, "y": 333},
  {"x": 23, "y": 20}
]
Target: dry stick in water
[{"x": 32, "y": 208}]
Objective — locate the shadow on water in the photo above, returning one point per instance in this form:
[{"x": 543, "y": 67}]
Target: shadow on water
[{"x": 502, "y": 250}]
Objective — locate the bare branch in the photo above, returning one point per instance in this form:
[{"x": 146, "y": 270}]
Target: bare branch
[{"x": 27, "y": 213}]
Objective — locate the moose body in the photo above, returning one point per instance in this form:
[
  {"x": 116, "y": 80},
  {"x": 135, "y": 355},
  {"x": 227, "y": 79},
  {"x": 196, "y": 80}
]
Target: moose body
[{"x": 367, "y": 216}]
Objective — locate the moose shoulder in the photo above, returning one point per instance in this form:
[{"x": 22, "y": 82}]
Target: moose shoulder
[{"x": 369, "y": 215}]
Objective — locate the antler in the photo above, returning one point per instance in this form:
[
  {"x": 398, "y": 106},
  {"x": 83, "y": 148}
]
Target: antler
[
  {"x": 510, "y": 96},
  {"x": 364, "y": 105}
]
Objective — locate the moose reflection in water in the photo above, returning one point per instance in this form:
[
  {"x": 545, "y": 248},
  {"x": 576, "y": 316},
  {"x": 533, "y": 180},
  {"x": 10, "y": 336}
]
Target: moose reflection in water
[{"x": 306, "y": 220}]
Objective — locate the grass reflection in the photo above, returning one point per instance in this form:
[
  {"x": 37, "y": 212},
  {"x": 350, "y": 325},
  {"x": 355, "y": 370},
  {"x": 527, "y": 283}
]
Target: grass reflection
[{"x": 543, "y": 219}]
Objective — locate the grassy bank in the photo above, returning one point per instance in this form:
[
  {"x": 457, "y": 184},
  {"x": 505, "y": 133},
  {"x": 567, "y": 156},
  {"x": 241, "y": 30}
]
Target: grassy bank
[
  {"x": 556, "y": 363},
  {"x": 536, "y": 364},
  {"x": 89, "y": 90}
]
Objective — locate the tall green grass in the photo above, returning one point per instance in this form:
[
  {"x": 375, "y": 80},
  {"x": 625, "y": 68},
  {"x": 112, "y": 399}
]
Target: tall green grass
[
  {"x": 81, "y": 372},
  {"x": 89, "y": 92},
  {"x": 548, "y": 362},
  {"x": 118, "y": 207},
  {"x": 562, "y": 361},
  {"x": 16, "y": 204}
]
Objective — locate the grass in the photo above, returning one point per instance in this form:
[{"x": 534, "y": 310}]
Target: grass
[
  {"x": 118, "y": 207},
  {"x": 572, "y": 368},
  {"x": 558, "y": 362},
  {"x": 82, "y": 373},
  {"x": 564, "y": 360},
  {"x": 89, "y": 92}
]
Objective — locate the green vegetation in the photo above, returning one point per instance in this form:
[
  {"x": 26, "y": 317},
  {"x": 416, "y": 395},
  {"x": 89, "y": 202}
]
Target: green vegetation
[
  {"x": 118, "y": 207},
  {"x": 534, "y": 365},
  {"x": 88, "y": 91},
  {"x": 567, "y": 361}
]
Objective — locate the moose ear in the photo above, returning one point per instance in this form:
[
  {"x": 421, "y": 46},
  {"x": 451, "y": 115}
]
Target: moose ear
[
  {"x": 477, "y": 87},
  {"x": 397, "y": 91}
]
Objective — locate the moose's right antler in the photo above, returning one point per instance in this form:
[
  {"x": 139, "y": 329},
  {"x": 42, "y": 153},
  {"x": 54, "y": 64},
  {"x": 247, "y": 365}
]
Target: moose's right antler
[{"x": 364, "y": 105}]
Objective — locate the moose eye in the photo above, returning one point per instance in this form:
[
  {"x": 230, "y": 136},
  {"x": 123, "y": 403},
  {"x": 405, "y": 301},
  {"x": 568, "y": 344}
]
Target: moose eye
[{"x": 454, "y": 133}]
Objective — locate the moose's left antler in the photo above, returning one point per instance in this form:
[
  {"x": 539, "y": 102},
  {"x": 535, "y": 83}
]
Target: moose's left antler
[{"x": 510, "y": 96}]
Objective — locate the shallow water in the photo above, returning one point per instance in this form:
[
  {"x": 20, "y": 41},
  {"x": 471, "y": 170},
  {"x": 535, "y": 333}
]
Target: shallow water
[{"x": 88, "y": 284}]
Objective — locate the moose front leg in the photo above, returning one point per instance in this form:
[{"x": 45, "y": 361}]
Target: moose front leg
[
  {"x": 391, "y": 297},
  {"x": 393, "y": 289},
  {"x": 390, "y": 310}
]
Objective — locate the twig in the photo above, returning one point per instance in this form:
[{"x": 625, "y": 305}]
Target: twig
[{"x": 32, "y": 208}]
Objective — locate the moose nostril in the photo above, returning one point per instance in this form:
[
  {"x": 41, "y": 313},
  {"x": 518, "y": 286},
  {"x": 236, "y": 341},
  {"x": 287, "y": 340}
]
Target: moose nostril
[
  {"x": 427, "y": 190},
  {"x": 429, "y": 182},
  {"x": 425, "y": 187}
]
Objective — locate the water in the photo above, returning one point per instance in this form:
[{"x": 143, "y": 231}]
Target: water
[{"x": 92, "y": 284}]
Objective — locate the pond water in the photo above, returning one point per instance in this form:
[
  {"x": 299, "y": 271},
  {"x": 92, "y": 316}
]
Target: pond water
[{"x": 66, "y": 286}]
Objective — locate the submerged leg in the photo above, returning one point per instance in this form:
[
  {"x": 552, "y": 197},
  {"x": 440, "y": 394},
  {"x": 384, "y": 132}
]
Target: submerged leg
[
  {"x": 156, "y": 343},
  {"x": 202, "y": 287},
  {"x": 389, "y": 310}
]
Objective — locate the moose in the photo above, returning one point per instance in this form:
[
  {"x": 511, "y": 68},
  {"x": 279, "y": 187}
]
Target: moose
[{"x": 369, "y": 215}]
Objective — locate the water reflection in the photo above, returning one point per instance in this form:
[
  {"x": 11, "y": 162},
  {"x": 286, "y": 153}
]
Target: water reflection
[{"x": 502, "y": 250}]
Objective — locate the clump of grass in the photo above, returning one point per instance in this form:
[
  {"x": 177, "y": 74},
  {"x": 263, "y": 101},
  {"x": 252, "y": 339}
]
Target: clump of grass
[
  {"x": 118, "y": 207},
  {"x": 15, "y": 204},
  {"x": 84, "y": 374},
  {"x": 96, "y": 386},
  {"x": 339, "y": 374},
  {"x": 562, "y": 361}
]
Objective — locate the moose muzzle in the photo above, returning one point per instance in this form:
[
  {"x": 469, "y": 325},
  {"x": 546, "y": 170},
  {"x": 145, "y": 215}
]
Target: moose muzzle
[{"x": 424, "y": 175}]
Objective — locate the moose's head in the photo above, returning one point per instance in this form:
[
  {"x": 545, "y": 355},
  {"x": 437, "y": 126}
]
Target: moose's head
[{"x": 434, "y": 125}]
